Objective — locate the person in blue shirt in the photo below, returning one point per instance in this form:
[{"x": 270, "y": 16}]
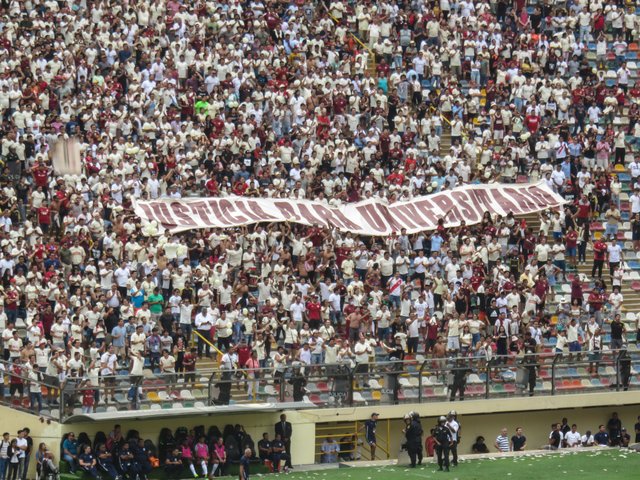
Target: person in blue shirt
[
  {"x": 436, "y": 242},
  {"x": 142, "y": 465},
  {"x": 119, "y": 337},
  {"x": 127, "y": 461},
  {"x": 602, "y": 437},
  {"x": 370, "y": 433},
  {"x": 383, "y": 84},
  {"x": 173, "y": 464},
  {"x": 70, "y": 451},
  {"x": 245, "y": 461},
  {"x": 87, "y": 462},
  {"x": 153, "y": 347},
  {"x": 136, "y": 295},
  {"x": 566, "y": 167},
  {"x": 105, "y": 462}
]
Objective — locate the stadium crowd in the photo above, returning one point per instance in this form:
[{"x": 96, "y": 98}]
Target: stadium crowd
[{"x": 329, "y": 100}]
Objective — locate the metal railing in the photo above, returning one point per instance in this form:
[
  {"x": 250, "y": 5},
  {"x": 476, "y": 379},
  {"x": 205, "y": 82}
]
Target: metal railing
[{"x": 334, "y": 385}]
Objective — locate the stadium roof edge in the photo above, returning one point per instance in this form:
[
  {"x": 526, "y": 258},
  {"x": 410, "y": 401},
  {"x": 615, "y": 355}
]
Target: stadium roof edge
[{"x": 187, "y": 411}]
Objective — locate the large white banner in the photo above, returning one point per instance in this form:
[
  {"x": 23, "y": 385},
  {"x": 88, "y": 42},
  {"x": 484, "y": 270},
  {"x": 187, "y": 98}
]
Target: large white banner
[
  {"x": 370, "y": 217},
  {"x": 66, "y": 157}
]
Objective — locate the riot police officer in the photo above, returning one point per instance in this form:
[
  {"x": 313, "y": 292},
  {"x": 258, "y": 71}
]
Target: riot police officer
[
  {"x": 443, "y": 439},
  {"x": 413, "y": 434}
]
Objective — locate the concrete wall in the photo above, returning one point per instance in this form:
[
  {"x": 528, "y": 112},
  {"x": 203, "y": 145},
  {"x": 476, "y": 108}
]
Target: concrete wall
[
  {"x": 487, "y": 417},
  {"x": 478, "y": 417}
]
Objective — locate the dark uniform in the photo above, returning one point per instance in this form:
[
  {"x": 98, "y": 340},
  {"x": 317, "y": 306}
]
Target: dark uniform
[
  {"x": 443, "y": 442},
  {"x": 413, "y": 434},
  {"x": 459, "y": 372},
  {"x": 625, "y": 370},
  {"x": 531, "y": 366},
  {"x": 299, "y": 383}
]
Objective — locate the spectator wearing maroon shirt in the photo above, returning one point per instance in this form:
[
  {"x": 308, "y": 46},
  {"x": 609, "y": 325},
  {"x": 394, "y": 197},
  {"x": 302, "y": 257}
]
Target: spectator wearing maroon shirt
[
  {"x": 596, "y": 302},
  {"x": 571, "y": 243},
  {"x": 599, "y": 256},
  {"x": 584, "y": 210},
  {"x": 383, "y": 68},
  {"x": 11, "y": 303},
  {"x": 273, "y": 21}
]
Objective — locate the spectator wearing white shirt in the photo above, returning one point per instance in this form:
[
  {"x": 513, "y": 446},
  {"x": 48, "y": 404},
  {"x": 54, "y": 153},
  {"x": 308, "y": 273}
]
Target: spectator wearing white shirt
[
  {"x": 203, "y": 323},
  {"x": 573, "y": 438}
]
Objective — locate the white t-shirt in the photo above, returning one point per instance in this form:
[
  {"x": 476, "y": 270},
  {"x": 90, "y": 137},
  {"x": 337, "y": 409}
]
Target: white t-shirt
[
  {"x": 614, "y": 253},
  {"x": 573, "y": 439}
]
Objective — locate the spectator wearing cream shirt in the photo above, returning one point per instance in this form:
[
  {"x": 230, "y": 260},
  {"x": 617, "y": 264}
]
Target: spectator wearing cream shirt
[
  {"x": 137, "y": 341},
  {"x": 224, "y": 331}
]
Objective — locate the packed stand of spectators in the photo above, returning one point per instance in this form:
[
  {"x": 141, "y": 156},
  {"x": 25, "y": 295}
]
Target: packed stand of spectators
[{"x": 328, "y": 100}]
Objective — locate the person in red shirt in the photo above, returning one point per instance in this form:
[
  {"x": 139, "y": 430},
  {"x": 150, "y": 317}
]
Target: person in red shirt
[
  {"x": 383, "y": 68},
  {"x": 16, "y": 384},
  {"x": 244, "y": 351},
  {"x": 339, "y": 104},
  {"x": 571, "y": 243},
  {"x": 212, "y": 187},
  {"x": 272, "y": 21},
  {"x": 44, "y": 217},
  {"x": 11, "y": 303},
  {"x": 88, "y": 397},
  {"x": 396, "y": 177},
  {"x": 596, "y": 302},
  {"x": 532, "y": 122},
  {"x": 189, "y": 365},
  {"x": 323, "y": 125},
  {"x": 584, "y": 210},
  {"x": 40, "y": 174},
  {"x": 430, "y": 444},
  {"x": 599, "y": 256},
  {"x": 240, "y": 187},
  {"x": 314, "y": 312}
]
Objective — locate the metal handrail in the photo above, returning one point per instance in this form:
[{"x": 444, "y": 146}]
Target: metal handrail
[
  {"x": 340, "y": 379},
  {"x": 354, "y": 36}
]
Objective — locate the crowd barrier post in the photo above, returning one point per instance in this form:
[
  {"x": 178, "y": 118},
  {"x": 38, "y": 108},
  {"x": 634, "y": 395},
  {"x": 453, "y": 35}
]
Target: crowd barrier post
[{"x": 553, "y": 373}]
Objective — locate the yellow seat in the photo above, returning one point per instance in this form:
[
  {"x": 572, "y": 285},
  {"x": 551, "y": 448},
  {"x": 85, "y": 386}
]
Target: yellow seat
[
  {"x": 376, "y": 395},
  {"x": 619, "y": 167},
  {"x": 153, "y": 396},
  {"x": 554, "y": 320},
  {"x": 597, "y": 235}
]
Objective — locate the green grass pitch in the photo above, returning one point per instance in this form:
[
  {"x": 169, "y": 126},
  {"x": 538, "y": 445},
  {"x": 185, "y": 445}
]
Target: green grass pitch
[{"x": 580, "y": 465}]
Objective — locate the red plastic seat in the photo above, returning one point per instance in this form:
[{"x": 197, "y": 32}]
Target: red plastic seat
[{"x": 322, "y": 386}]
